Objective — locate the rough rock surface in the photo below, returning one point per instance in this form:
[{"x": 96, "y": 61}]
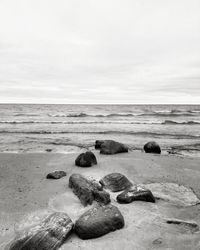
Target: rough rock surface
[
  {"x": 152, "y": 147},
  {"x": 174, "y": 193},
  {"x": 56, "y": 175},
  {"x": 136, "y": 193},
  {"x": 99, "y": 221},
  {"x": 86, "y": 159},
  {"x": 87, "y": 190},
  {"x": 49, "y": 235},
  {"x": 115, "y": 182},
  {"x": 110, "y": 147}
]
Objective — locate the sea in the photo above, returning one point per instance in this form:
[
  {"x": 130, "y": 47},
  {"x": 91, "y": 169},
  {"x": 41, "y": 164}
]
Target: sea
[{"x": 66, "y": 128}]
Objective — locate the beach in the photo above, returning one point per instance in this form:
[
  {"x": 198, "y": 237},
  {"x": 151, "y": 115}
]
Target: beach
[{"x": 27, "y": 196}]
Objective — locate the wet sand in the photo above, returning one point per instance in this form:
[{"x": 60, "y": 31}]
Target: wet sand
[{"x": 27, "y": 196}]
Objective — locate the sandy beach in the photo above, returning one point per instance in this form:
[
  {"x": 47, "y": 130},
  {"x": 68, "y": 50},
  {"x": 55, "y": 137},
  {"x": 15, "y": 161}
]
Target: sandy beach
[{"x": 27, "y": 196}]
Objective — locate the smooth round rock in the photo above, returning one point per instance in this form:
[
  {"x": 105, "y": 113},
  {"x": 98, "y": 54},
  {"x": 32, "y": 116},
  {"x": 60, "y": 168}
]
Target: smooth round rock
[
  {"x": 56, "y": 175},
  {"x": 87, "y": 159},
  {"x": 110, "y": 147},
  {"x": 152, "y": 147}
]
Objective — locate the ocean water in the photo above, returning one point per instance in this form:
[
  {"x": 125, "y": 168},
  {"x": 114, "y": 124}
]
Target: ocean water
[{"x": 74, "y": 128}]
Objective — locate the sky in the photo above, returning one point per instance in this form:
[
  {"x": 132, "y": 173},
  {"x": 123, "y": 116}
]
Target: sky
[{"x": 108, "y": 51}]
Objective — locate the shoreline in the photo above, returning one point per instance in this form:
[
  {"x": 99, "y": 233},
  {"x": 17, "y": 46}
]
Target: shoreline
[{"x": 26, "y": 196}]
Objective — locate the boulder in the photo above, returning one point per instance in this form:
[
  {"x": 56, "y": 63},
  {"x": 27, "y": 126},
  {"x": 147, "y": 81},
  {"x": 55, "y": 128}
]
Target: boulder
[
  {"x": 49, "y": 235},
  {"x": 110, "y": 147},
  {"x": 152, "y": 147},
  {"x": 56, "y": 175},
  {"x": 99, "y": 221},
  {"x": 88, "y": 190},
  {"x": 136, "y": 193},
  {"x": 86, "y": 159},
  {"x": 115, "y": 182}
]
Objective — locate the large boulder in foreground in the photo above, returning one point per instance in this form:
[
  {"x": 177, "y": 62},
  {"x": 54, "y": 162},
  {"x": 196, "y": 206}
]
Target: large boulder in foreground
[
  {"x": 56, "y": 175},
  {"x": 99, "y": 221},
  {"x": 86, "y": 159},
  {"x": 115, "y": 182},
  {"x": 49, "y": 235},
  {"x": 88, "y": 190},
  {"x": 136, "y": 193},
  {"x": 110, "y": 147},
  {"x": 152, "y": 147}
]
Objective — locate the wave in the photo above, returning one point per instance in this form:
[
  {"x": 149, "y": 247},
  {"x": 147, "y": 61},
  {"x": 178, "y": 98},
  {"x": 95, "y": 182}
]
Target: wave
[
  {"x": 140, "y": 133},
  {"x": 180, "y": 123}
]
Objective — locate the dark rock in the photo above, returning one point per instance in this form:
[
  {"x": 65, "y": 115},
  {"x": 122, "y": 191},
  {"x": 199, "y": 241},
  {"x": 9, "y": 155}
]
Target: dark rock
[
  {"x": 115, "y": 182},
  {"x": 86, "y": 159},
  {"x": 192, "y": 227},
  {"x": 152, "y": 147},
  {"x": 136, "y": 193},
  {"x": 88, "y": 190},
  {"x": 56, "y": 175},
  {"x": 99, "y": 221},
  {"x": 98, "y": 144},
  {"x": 110, "y": 147},
  {"x": 49, "y": 235}
]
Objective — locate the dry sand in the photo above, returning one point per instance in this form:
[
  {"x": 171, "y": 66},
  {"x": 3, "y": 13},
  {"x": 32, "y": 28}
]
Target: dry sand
[{"x": 26, "y": 196}]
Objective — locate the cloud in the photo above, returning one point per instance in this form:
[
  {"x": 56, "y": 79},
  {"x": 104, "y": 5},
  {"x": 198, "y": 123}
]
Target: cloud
[{"x": 99, "y": 52}]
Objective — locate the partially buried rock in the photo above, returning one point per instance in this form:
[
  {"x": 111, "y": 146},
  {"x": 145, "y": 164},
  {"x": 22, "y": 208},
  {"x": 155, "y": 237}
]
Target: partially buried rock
[
  {"x": 86, "y": 159},
  {"x": 99, "y": 221},
  {"x": 152, "y": 147},
  {"x": 88, "y": 190},
  {"x": 56, "y": 175},
  {"x": 110, "y": 147},
  {"x": 115, "y": 182},
  {"x": 49, "y": 235},
  {"x": 136, "y": 193}
]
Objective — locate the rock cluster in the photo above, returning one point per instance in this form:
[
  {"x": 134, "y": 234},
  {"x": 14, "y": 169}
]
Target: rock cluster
[{"x": 88, "y": 191}]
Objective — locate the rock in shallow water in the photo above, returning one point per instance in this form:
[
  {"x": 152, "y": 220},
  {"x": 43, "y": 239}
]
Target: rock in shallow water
[
  {"x": 49, "y": 235},
  {"x": 99, "y": 221},
  {"x": 56, "y": 175},
  {"x": 86, "y": 159},
  {"x": 136, "y": 193},
  {"x": 115, "y": 182},
  {"x": 88, "y": 190},
  {"x": 152, "y": 147},
  {"x": 110, "y": 147}
]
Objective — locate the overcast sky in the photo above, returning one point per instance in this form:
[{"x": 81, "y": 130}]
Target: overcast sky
[{"x": 107, "y": 51}]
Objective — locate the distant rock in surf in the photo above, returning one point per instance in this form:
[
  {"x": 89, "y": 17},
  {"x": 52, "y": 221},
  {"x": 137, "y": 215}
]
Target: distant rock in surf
[
  {"x": 115, "y": 182},
  {"x": 86, "y": 159},
  {"x": 49, "y": 235},
  {"x": 110, "y": 147},
  {"x": 136, "y": 193},
  {"x": 99, "y": 221},
  {"x": 56, "y": 175},
  {"x": 87, "y": 190},
  {"x": 152, "y": 147}
]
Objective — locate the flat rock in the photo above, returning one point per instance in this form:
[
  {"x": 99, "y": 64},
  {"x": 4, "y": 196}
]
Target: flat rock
[
  {"x": 136, "y": 193},
  {"x": 86, "y": 159},
  {"x": 174, "y": 193},
  {"x": 56, "y": 175},
  {"x": 115, "y": 182},
  {"x": 99, "y": 221},
  {"x": 152, "y": 147},
  {"x": 110, "y": 147},
  {"x": 88, "y": 190},
  {"x": 49, "y": 235},
  {"x": 190, "y": 226}
]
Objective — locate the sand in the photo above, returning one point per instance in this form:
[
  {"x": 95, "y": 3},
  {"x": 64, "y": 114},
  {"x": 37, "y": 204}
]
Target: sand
[{"x": 27, "y": 196}]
